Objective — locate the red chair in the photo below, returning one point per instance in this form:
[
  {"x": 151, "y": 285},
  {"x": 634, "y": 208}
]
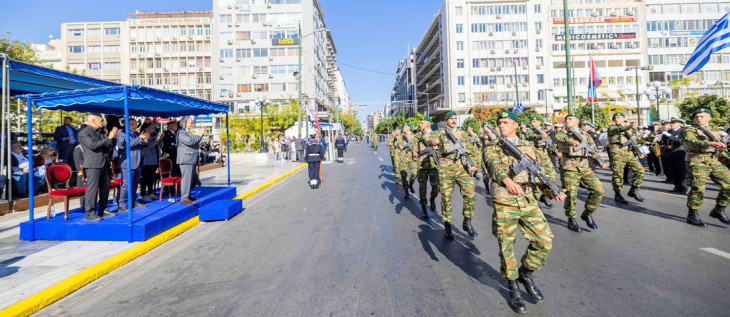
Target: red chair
[
  {"x": 116, "y": 183},
  {"x": 165, "y": 168},
  {"x": 58, "y": 173}
]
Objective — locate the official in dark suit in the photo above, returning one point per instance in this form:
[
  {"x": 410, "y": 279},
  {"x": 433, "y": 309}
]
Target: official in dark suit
[
  {"x": 187, "y": 157},
  {"x": 300, "y": 146},
  {"x": 137, "y": 144},
  {"x": 66, "y": 137},
  {"x": 169, "y": 145},
  {"x": 314, "y": 160},
  {"x": 97, "y": 146}
]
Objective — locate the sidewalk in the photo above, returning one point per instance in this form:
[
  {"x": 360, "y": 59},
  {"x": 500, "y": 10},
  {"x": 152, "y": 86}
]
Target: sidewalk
[{"x": 29, "y": 267}]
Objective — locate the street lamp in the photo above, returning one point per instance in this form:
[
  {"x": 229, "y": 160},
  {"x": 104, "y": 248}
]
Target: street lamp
[
  {"x": 547, "y": 113},
  {"x": 636, "y": 79},
  {"x": 260, "y": 102},
  {"x": 656, "y": 92}
]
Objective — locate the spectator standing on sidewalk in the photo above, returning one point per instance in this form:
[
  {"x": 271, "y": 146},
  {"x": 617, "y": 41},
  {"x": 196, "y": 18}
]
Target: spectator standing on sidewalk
[{"x": 301, "y": 146}]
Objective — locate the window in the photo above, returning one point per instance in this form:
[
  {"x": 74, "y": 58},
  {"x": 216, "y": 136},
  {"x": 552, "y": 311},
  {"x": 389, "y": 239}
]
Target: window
[
  {"x": 111, "y": 31},
  {"x": 260, "y": 70},
  {"x": 93, "y": 49},
  {"x": 538, "y": 25},
  {"x": 112, "y": 48},
  {"x": 459, "y": 45},
  {"x": 93, "y": 32},
  {"x": 261, "y": 87},
  {"x": 112, "y": 65},
  {"x": 244, "y": 87},
  {"x": 260, "y": 52},
  {"x": 540, "y": 78},
  {"x": 226, "y": 53},
  {"x": 459, "y": 11},
  {"x": 460, "y": 63},
  {"x": 460, "y": 80},
  {"x": 94, "y": 66},
  {"x": 459, "y": 28},
  {"x": 76, "y": 32},
  {"x": 671, "y": 9},
  {"x": 538, "y": 8},
  {"x": 75, "y": 49},
  {"x": 690, "y": 8},
  {"x": 462, "y": 97}
]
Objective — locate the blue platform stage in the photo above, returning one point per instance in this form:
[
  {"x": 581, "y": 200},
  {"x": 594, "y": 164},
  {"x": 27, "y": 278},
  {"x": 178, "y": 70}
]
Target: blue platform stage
[{"x": 147, "y": 222}]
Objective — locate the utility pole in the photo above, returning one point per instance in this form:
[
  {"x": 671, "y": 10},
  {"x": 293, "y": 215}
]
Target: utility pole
[
  {"x": 300, "y": 81},
  {"x": 567, "y": 57}
]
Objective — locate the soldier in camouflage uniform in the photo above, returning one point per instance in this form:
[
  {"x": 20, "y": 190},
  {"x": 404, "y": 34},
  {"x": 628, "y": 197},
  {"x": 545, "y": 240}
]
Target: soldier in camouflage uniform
[
  {"x": 622, "y": 156},
  {"x": 487, "y": 139},
  {"x": 574, "y": 169},
  {"x": 375, "y": 139},
  {"x": 452, "y": 172},
  {"x": 427, "y": 168},
  {"x": 394, "y": 151},
  {"x": 532, "y": 136},
  {"x": 474, "y": 144},
  {"x": 515, "y": 207},
  {"x": 703, "y": 162},
  {"x": 405, "y": 144}
]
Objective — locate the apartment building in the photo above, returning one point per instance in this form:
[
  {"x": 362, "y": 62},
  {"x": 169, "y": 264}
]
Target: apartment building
[{"x": 94, "y": 49}]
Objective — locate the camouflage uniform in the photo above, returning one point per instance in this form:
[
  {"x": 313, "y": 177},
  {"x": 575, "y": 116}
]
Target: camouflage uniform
[
  {"x": 374, "y": 139},
  {"x": 427, "y": 168},
  {"x": 488, "y": 139},
  {"x": 574, "y": 169},
  {"x": 622, "y": 156},
  {"x": 453, "y": 172},
  {"x": 391, "y": 145},
  {"x": 512, "y": 212},
  {"x": 407, "y": 163},
  {"x": 702, "y": 162},
  {"x": 543, "y": 150}
]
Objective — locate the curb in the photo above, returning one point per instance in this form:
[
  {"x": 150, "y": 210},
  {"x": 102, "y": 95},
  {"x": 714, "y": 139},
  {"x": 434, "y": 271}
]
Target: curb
[{"x": 61, "y": 289}]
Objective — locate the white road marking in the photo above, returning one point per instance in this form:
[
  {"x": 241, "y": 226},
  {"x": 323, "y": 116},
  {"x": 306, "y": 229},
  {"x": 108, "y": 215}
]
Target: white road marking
[
  {"x": 717, "y": 252},
  {"x": 380, "y": 158}
]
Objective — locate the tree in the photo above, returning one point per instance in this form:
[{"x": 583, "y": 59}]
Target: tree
[
  {"x": 602, "y": 117},
  {"x": 487, "y": 114},
  {"x": 525, "y": 116},
  {"x": 18, "y": 50},
  {"x": 719, "y": 106},
  {"x": 471, "y": 121}
]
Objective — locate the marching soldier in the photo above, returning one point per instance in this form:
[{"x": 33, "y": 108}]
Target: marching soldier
[
  {"x": 427, "y": 166},
  {"x": 676, "y": 155},
  {"x": 405, "y": 144},
  {"x": 515, "y": 208},
  {"x": 451, "y": 172},
  {"x": 487, "y": 139},
  {"x": 702, "y": 161},
  {"x": 375, "y": 138},
  {"x": 574, "y": 169},
  {"x": 394, "y": 151},
  {"x": 536, "y": 138},
  {"x": 623, "y": 156},
  {"x": 474, "y": 146}
]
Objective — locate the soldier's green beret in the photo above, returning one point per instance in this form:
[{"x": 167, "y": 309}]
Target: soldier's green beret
[
  {"x": 618, "y": 114},
  {"x": 427, "y": 119},
  {"x": 449, "y": 115},
  {"x": 535, "y": 118},
  {"x": 398, "y": 127},
  {"x": 572, "y": 115},
  {"x": 702, "y": 110},
  {"x": 508, "y": 115}
]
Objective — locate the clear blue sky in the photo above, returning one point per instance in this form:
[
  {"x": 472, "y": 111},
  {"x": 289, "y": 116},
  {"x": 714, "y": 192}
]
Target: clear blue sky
[{"x": 371, "y": 34}]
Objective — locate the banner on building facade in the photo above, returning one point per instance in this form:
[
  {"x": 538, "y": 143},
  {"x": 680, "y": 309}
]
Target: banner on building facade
[
  {"x": 611, "y": 19},
  {"x": 597, "y": 36},
  {"x": 280, "y": 42}
]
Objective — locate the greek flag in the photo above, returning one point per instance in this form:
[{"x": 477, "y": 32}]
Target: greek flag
[
  {"x": 518, "y": 108},
  {"x": 716, "y": 39}
]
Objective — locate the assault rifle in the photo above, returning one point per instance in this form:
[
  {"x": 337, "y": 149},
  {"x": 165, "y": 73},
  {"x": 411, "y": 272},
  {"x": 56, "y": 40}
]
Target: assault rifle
[
  {"x": 631, "y": 143},
  {"x": 526, "y": 163},
  {"x": 547, "y": 141},
  {"x": 714, "y": 139},
  {"x": 474, "y": 139},
  {"x": 584, "y": 145},
  {"x": 429, "y": 150},
  {"x": 460, "y": 151}
]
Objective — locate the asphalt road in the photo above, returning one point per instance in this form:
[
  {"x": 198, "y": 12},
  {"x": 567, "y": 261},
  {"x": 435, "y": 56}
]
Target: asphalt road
[{"x": 356, "y": 248}]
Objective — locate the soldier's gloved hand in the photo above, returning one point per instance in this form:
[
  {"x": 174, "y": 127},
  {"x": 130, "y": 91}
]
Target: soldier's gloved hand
[
  {"x": 512, "y": 187},
  {"x": 559, "y": 197}
]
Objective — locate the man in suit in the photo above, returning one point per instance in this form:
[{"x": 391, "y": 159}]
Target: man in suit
[
  {"x": 169, "y": 145},
  {"x": 301, "y": 145},
  {"x": 19, "y": 164},
  {"x": 137, "y": 144},
  {"x": 66, "y": 137},
  {"x": 187, "y": 157},
  {"x": 97, "y": 146}
]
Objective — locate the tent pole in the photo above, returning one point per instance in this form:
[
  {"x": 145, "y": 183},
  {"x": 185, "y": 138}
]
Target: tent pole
[
  {"x": 31, "y": 201},
  {"x": 7, "y": 137},
  {"x": 6, "y": 83},
  {"x": 228, "y": 150},
  {"x": 130, "y": 198}
]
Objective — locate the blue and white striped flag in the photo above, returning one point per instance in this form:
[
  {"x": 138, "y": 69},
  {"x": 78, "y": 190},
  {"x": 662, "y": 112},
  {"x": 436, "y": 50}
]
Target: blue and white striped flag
[
  {"x": 518, "y": 108},
  {"x": 716, "y": 39}
]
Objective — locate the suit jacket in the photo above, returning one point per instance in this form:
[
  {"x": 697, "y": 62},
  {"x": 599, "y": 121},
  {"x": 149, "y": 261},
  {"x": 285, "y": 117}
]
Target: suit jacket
[
  {"x": 96, "y": 146},
  {"x": 152, "y": 154},
  {"x": 187, "y": 147},
  {"x": 169, "y": 143},
  {"x": 136, "y": 146},
  {"x": 300, "y": 144},
  {"x": 78, "y": 157},
  {"x": 60, "y": 136}
]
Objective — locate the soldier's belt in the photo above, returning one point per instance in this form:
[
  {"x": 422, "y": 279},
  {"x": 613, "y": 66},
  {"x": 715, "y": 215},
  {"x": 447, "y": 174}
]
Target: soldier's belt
[{"x": 704, "y": 157}]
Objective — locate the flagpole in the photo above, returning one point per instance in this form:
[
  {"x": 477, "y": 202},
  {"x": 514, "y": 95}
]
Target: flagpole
[
  {"x": 567, "y": 57},
  {"x": 593, "y": 86}
]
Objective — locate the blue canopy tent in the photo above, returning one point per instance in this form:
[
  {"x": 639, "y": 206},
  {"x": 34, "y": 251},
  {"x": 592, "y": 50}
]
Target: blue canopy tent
[
  {"x": 18, "y": 78},
  {"x": 123, "y": 100}
]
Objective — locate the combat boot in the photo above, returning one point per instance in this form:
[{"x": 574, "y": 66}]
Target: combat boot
[
  {"x": 694, "y": 219},
  {"x": 412, "y": 190},
  {"x": 407, "y": 196},
  {"x": 468, "y": 228},
  {"x": 448, "y": 234},
  {"x": 634, "y": 192},
  {"x": 719, "y": 213},
  {"x": 546, "y": 201},
  {"x": 433, "y": 204},
  {"x": 425, "y": 213},
  {"x": 527, "y": 281},
  {"x": 515, "y": 299},
  {"x": 573, "y": 225},
  {"x": 620, "y": 199},
  {"x": 588, "y": 217}
]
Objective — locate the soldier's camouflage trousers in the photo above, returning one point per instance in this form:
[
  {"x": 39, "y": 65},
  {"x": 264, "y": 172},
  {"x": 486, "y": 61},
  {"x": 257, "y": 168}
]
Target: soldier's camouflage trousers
[
  {"x": 424, "y": 175},
  {"x": 526, "y": 216},
  {"x": 548, "y": 165},
  {"x": 407, "y": 164},
  {"x": 571, "y": 180},
  {"x": 619, "y": 161},
  {"x": 449, "y": 176},
  {"x": 698, "y": 173}
]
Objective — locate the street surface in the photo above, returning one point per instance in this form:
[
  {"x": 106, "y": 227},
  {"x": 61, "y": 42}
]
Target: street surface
[{"x": 356, "y": 248}]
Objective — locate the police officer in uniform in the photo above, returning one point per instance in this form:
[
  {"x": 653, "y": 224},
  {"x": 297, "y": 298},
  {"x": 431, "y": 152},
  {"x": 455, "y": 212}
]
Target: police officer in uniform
[
  {"x": 314, "y": 154},
  {"x": 516, "y": 208}
]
